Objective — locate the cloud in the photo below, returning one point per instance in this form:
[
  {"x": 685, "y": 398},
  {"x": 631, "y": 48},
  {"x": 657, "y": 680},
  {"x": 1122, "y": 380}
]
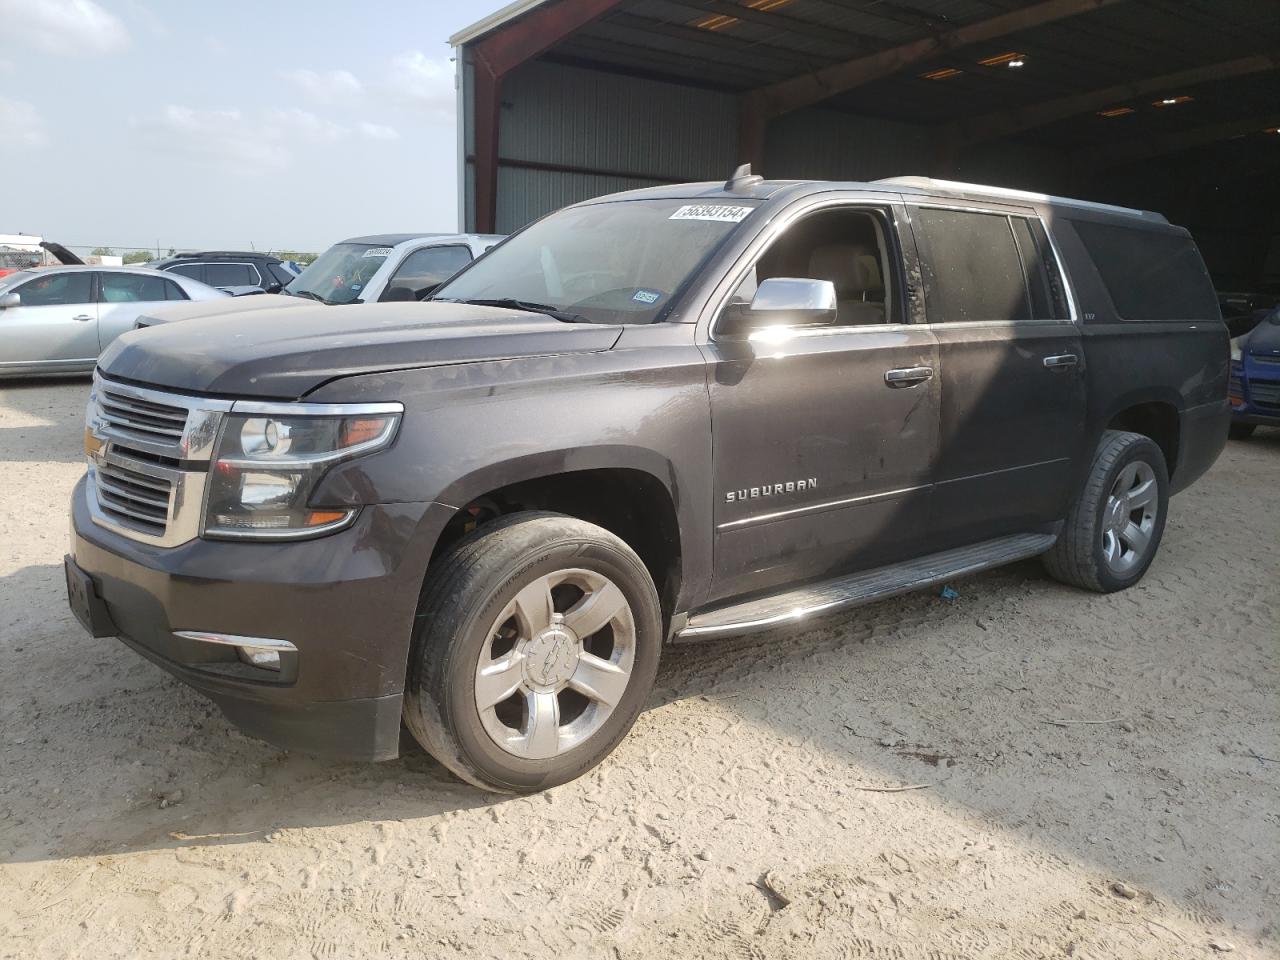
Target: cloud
[
  {"x": 377, "y": 131},
  {"x": 306, "y": 125},
  {"x": 426, "y": 82},
  {"x": 330, "y": 86},
  {"x": 68, "y": 27},
  {"x": 221, "y": 139},
  {"x": 261, "y": 143},
  {"x": 21, "y": 123}
]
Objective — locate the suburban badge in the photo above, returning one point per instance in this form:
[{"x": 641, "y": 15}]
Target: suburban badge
[{"x": 770, "y": 490}]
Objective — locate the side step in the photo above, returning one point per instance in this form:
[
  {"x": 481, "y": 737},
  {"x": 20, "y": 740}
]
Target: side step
[{"x": 829, "y": 596}]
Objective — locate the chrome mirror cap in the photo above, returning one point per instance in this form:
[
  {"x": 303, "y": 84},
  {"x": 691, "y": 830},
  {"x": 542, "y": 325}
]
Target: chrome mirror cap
[{"x": 793, "y": 302}]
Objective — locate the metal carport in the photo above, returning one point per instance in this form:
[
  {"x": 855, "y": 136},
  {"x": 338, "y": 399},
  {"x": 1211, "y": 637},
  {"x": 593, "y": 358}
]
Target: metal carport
[{"x": 1171, "y": 105}]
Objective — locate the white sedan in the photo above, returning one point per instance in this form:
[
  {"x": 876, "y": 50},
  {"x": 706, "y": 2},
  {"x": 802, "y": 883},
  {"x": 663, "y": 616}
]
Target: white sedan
[{"x": 57, "y": 321}]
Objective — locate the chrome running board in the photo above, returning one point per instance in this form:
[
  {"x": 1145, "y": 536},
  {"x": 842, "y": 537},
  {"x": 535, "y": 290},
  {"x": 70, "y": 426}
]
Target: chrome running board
[{"x": 797, "y": 605}]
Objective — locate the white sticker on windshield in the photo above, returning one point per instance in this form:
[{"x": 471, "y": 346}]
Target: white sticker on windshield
[
  {"x": 377, "y": 252},
  {"x": 711, "y": 211}
]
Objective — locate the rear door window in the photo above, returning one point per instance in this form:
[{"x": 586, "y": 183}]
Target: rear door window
[
  {"x": 973, "y": 270},
  {"x": 231, "y": 275},
  {"x": 1150, "y": 274},
  {"x": 133, "y": 288}
]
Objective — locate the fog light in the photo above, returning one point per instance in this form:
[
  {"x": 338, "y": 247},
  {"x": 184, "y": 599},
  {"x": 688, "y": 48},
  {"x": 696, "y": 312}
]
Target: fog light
[
  {"x": 262, "y": 652},
  {"x": 260, "y": 657}
]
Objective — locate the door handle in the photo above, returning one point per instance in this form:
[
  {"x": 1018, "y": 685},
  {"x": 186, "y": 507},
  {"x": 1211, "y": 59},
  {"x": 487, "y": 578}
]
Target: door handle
[
  {"x": 1061, "y": 361},
  {"x": 907, "y": 376},
  {"x": 83, "y": 318}
]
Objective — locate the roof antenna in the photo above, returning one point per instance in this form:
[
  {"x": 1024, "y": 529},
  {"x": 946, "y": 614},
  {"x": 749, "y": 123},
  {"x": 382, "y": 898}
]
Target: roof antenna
[{"x": 742, "y": 179}]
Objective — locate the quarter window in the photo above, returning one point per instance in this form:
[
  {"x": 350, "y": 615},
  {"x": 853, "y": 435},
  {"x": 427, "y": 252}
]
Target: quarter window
[
  {"x": 193, "y": 270},
  {"x": 1150, "y": 274},
  {"x": 55, "y": 288}
]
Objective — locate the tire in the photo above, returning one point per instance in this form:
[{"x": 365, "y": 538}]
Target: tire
[
  {"x": 513, "y": 592},
  {"x": 1241, "y": 431},
  {"x": 1097, "y": 549}
]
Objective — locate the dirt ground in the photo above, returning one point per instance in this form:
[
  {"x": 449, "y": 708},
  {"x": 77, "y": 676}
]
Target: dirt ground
[{"x": 740, "y": 818}]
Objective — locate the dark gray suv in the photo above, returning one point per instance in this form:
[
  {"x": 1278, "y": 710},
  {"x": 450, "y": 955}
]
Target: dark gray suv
[{"x": 651, "y": 418}]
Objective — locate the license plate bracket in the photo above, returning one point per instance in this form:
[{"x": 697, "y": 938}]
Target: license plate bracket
[{"x": 89, "y": 608}]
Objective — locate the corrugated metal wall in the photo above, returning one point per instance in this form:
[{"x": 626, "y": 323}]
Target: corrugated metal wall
[
  {"x": 628, "y": 132},
  {"x": 620, "y": 133}
]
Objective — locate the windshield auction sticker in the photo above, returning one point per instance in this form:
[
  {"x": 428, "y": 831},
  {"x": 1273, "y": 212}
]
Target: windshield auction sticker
[
  {"x": 377, "y": 252},
  {"x": 711, "y": 211}
]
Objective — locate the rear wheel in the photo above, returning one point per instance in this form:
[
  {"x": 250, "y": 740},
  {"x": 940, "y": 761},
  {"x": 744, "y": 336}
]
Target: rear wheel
[
  {"x": 1241, "y": 431},
  {"x": 538, "y": 643},
  {"x": 1114, "y": 527}
]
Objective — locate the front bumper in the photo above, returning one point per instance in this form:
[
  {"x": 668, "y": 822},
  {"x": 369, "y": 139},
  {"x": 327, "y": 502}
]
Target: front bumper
[
  {"x": 346, "y": 602},
  {"x": 1255, "y": 392}
]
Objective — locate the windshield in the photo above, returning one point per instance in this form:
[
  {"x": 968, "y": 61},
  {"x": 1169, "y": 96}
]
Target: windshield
[
  {"x": 619, "y": 262},
  {"x": 340, "y": 274}
]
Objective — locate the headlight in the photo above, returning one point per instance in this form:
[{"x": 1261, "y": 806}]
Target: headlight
[
  {"x": 1237, "y": 354},
  {"x": 270, "y": 459}
]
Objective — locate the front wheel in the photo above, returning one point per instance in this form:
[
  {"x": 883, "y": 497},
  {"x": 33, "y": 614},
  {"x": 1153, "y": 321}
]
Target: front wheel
[
  {"x": 1113, "y": 529},
  {"x": 538, "y": 642}
]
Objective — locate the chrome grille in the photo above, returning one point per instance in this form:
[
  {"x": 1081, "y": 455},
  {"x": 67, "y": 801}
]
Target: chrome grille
[
  {"x": 132, "y": 416},
  {"x": 148, "y": 453},
  {"x": 138, "y": 500},
  {"x": 1265, "y": 393}
]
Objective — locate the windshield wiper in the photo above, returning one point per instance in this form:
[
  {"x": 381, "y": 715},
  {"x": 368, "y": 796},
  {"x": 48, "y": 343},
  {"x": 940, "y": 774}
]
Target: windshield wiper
[
  {"x": 309, "y": 295},
  {"x": 513, "y": 304}
]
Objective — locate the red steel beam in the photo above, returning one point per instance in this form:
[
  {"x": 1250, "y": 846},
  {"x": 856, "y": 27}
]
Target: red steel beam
[{"x": 495, "y": 56}]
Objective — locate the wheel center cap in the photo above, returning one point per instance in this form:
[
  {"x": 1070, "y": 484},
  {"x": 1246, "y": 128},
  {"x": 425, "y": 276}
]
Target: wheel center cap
[{"x": 551, "y": 656}]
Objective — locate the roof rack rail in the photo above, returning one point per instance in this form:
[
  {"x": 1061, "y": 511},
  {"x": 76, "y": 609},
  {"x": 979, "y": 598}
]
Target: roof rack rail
[
  {"x": 978, "y": 189},
  {"x": 222, "y": 253}
]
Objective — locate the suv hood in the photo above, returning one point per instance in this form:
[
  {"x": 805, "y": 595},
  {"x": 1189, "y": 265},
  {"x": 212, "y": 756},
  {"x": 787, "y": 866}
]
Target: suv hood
[{"x": 285, "y": 354}]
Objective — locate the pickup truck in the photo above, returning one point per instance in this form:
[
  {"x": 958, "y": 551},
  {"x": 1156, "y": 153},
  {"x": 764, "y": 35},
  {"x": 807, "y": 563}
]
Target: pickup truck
[
  {"x": 385, "y": 266},
  {"x": 658, "y": 417}
]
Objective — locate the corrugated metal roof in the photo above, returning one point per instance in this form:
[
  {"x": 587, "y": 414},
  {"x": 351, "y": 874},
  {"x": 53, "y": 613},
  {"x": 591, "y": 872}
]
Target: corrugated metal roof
[{"x": 492, "y": 22}]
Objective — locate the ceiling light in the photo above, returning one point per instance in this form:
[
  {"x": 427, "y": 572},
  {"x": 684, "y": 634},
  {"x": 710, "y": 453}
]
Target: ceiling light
[
  {"x": 719, "y": 21},
  {"x": 1272, "y": 130},
  {"x": 946, "y": 73},
  {"x": 1011, "y": 59},
  {"x": 1171, "y": 101},
  {"x": 1115, "y": 112}
]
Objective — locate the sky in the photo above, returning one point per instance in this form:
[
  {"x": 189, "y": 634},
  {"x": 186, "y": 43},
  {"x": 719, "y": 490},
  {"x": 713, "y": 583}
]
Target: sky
[{"x": 236, "y": 124}]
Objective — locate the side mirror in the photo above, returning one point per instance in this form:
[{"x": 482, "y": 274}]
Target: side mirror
[
  {"x": 8, "y": 300},
  {"x": 787, "y": 302}
]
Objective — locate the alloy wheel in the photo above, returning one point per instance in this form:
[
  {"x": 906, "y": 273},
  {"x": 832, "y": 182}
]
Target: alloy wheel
[
  {"x": 555, "y": 664},
  {"x": 1129, "y": 517}
]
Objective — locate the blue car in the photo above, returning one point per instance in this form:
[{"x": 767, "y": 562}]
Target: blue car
[{"x": 1255, "y": 378}]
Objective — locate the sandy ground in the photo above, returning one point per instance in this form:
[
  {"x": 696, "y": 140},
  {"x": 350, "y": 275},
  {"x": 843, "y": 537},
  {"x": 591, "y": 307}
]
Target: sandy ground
[{"x": 735, "y": 821}]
